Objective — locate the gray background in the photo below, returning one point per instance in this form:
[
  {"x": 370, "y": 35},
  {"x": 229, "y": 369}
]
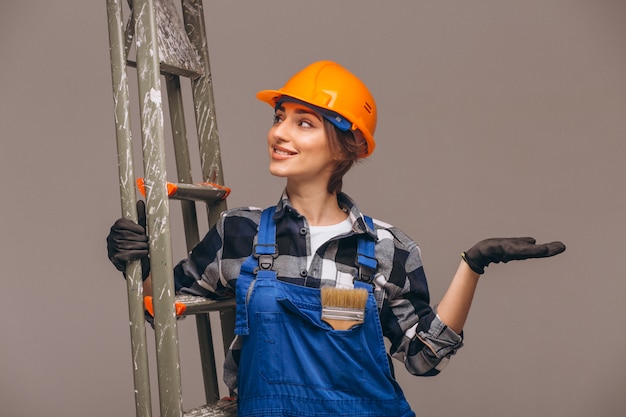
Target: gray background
[{"x": 495, "y": 118}]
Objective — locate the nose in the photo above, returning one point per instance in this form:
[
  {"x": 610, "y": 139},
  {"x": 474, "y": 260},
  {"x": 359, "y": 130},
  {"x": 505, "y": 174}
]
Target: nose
[{"x": 280, "y": 131}]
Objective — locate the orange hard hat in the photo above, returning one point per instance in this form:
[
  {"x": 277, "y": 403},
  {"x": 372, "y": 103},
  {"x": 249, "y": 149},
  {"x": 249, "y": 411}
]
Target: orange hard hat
[{"x": 329, "y": 86}]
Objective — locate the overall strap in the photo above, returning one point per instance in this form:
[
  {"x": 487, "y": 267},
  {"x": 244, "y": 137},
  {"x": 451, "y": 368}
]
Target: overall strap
[
  {"x": 366, "y": 257},
  {"x": 258, "y": 265},
  {"x": 266, "y": 249}
]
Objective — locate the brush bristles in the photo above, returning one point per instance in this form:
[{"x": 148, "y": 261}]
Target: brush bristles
[{"x": 344, "y": 297}]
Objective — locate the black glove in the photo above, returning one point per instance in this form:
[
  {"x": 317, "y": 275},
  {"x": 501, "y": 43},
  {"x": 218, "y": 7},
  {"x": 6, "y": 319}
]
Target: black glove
[
  {"x": 508, "y": 249},
  {"x": 128, "y": 241}
]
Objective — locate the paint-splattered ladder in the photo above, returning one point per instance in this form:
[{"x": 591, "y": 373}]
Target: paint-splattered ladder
[{"x": 166, "y": 46}]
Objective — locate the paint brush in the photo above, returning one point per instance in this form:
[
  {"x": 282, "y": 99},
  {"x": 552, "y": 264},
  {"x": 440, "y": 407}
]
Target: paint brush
[{"x": 343, "y": 308}]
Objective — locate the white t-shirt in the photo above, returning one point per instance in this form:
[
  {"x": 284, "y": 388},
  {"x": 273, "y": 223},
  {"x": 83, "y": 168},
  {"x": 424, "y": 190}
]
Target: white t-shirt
[{"x": 322, "y": 234}]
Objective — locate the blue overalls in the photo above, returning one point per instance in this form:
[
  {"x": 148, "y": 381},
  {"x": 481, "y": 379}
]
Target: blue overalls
[{"x": 294, "y": 364}]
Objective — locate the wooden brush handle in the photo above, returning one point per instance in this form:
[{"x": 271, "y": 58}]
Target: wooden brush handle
[{"x": 342, "y": 324}]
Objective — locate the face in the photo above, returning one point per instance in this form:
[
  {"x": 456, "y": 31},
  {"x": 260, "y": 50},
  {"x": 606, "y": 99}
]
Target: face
[{"x": 298, "y": 146}]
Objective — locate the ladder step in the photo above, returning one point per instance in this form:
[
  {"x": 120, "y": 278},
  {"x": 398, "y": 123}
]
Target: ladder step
[
  {"x": 176, "y": 53},
  {"x": 187, "y": 305},
  {"x": 200, "y": 305},
  {"x": 222, "y": 408},
  {"x": 169, "y": 69},
  {"x": 206, "y": 191}
]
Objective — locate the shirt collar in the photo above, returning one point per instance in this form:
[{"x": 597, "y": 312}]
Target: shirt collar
[{"x": 345, "y": 202}]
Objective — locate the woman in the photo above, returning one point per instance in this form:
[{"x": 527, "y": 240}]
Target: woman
[{"x": 286, "y": 359}]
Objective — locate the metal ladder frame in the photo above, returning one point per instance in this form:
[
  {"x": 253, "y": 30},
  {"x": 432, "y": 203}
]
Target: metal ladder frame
[{"x": 154, "y": 30}]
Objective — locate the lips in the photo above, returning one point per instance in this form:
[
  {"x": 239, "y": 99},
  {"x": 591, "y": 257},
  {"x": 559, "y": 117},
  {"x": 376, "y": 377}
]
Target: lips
[{"x": 278, "y": 150}]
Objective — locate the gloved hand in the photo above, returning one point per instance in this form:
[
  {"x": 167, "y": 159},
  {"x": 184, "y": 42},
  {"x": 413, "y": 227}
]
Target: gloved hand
[
  {"x": 128, "y": 241},
  {"x": 496, "y": 250}
]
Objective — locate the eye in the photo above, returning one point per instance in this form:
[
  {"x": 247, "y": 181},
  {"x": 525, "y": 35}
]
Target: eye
[
  {"x": 277, "y": 119},
  {"x": 306, "y": 123}
]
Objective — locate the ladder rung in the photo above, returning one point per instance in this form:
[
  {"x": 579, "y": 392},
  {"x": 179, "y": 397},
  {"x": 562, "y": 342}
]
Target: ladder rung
[
  {"x": 205, "y": 191},
  {"x": 222, "y": 408},
  {"x": 199, "y": 305},
  {"x": 168, "y": 69},
  {"x": 187, "y": 305},
  {"x": 198, "y": 192}
]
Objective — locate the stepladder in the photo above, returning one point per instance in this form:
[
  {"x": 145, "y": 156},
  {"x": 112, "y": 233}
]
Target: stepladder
[{"x": 162, "y": 48}]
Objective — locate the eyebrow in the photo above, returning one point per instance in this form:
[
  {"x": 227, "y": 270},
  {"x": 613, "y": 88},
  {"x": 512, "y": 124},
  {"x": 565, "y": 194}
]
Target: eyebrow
[{"x": 302, "y": 110}]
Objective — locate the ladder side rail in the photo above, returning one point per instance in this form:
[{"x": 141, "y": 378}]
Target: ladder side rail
[
  {"x": 227, "y": 322},
  {"x": 204, "y": 104},
  {"x": 165, "y": 326},
  {"x": 141, "y": 376},
  {"x": 208, "y": 136},
  {"x": 190, "y": 221},
  {"x": 181, "y": 152},
  {"x": 207, "y": 357}
]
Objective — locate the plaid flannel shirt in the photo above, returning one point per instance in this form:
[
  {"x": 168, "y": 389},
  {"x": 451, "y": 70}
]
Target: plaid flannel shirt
[{"x": 417, "y": 336}]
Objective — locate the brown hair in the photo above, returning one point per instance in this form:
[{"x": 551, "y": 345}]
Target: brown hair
[{"x": 346, "y": 149}]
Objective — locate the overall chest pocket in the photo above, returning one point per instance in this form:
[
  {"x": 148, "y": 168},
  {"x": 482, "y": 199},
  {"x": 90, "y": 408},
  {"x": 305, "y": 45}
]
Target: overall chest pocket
[{"x": 297, "y": 348}]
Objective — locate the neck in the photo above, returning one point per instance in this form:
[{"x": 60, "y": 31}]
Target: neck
[{"x": 318, "y": 206}]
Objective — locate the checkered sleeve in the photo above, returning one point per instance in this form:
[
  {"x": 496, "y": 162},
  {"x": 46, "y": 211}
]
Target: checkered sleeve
[
  {"x": 212, "y": 267},
  {"x": 418, "y": 337}
]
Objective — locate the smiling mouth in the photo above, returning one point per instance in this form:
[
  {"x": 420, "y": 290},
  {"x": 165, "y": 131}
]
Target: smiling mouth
[{"x": 283, "y": 152}]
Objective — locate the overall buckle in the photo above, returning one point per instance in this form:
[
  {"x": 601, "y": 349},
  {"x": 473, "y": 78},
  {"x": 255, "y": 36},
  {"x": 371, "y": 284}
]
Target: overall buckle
[{"x": 266, "y": 253}]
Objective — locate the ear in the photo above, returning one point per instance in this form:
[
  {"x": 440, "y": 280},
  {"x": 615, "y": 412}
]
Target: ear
[{"x": 360, "y": 141}]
